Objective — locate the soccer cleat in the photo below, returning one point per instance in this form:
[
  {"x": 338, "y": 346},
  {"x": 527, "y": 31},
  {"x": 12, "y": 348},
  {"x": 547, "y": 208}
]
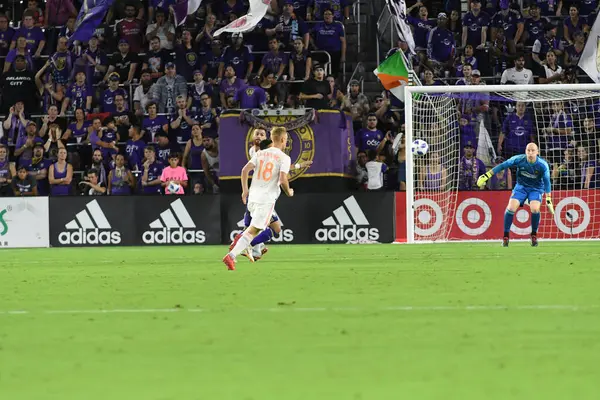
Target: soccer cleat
[
  {"x": 263, "y": 251},
  {"x": 229, "y": 262},
  {"x": 534, "y": 242},
  {"x": 505, "y": 241},
  {"x": 235, "y": 240}
]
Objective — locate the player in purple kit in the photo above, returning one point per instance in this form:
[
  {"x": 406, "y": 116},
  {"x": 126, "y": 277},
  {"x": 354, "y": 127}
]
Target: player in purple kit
[
  {"x": 153, "y": 123},
  {"x": 108, "y": 96},
  {"x": 230, "y": 85},
  {"x": 237, "y": 56}
]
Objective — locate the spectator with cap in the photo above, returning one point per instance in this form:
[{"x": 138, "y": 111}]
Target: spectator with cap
[
  {"x": 19, "y": 86},
  {"x": 24, "y": 184},
  {"x": 356, "y": 103},
  {"x": 164, "y": 147},
  {"x": 315, "y": 91},
  {"x": 544, "y": 44},
  {"x": 162, "y": 29},
  {"x": 329, "y": 36},
  {"x": 156, "y": 59},
  {"x": 289, "y": 27},
  {"x": 441, "y": 45},
  {"x": 131, "y": 30},
  {"x": 187, "y": 59},
  {"x": 143, "y": 93},
  {"x": 511, "y": 22},
  {"x": 239, "y": 57},
  {"x": 37, "y": 168},
  {"x": 124, "y": 62},
  {"x": 518, "y": 75},
  {"x": 168, "y": 88},
  {"x": 475, "y": 26},
  {"x": 470, "y": 168},
  {"x": 108, "y": 96}
]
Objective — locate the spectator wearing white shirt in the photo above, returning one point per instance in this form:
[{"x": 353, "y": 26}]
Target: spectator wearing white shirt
[
  {"x": 162, "y": 28},
  {"x": 375, "y": 171},
  {"x": 552, "y": 71},
  {"x": 518, "y": 75},
  {"x": 143, "y": 93}
]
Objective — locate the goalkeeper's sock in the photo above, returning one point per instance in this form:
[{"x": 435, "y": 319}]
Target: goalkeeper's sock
[
  {"x": 241, "y": 244},
  {"x": 535, "y": 222},
  {"x": 508, "y": 220},
  {"x": 262, "y": 237}
]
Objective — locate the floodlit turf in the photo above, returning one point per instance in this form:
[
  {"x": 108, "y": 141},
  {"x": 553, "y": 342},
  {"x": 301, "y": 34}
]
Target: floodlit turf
[{"x": 307, "y": 322}]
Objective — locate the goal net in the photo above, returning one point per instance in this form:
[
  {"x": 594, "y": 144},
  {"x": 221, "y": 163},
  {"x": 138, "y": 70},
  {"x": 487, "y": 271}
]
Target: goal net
[{"x": 470, "y": 129}]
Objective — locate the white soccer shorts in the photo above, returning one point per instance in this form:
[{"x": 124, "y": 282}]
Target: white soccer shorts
[{"x": 261, "y": 214}]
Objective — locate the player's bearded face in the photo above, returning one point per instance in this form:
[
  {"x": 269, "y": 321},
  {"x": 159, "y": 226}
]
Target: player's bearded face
[{"x": 259, "y": 136}]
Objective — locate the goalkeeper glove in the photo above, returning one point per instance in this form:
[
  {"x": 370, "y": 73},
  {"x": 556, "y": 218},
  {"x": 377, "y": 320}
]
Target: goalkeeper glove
[
  {"x": 550, "y": 205},
  {"x": 484, "y": 178}
]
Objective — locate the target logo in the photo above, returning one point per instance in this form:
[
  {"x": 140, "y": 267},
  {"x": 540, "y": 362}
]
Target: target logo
[
  {"x": 572, "y": 215},
  {"x": 473, "y": 216},
  {"x": 521, "y": 223},
  {"x": 426, "y": 211}
]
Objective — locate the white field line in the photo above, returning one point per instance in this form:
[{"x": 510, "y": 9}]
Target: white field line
[{"x": 533, "y": 307}]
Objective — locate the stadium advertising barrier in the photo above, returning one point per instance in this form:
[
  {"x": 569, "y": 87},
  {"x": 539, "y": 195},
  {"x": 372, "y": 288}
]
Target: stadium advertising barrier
[
  {"x": 326, "y": 139},
  {"x": 479, "y": 216},
  {"x": 134, "y": 220},
  {"x": 322, "y": 218},
  {"x": 24, "y": 222}
]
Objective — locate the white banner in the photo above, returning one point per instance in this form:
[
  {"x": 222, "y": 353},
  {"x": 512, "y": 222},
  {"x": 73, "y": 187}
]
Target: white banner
[
  {"x": 24, "y": 222},
  {"x": 398, "y": 10},
  {"x": 589, "y": 61},
  {"x": 258, "y": 9}
]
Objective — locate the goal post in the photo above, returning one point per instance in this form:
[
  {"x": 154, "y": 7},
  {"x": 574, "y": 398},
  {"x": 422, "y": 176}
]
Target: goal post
[{"x": 442, "y": 202}]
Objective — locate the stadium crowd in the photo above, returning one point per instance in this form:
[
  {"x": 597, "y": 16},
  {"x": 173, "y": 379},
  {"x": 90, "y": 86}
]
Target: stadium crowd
[{"x": 142, "y": 95}]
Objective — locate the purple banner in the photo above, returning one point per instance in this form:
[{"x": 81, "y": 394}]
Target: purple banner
[{"x": 328, "y": 141}]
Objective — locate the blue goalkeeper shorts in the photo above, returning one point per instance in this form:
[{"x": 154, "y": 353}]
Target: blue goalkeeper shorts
[
  {"x": 523, "y": 193},
  {"x": 248, "y": 218}
]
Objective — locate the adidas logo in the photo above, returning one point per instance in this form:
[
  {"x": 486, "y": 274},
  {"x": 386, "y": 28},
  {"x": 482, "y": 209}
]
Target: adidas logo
[
  {"x": 348, "y": 223},
  {"x": 286, "y": 235},
  {"x": 175, "y": 226},
  {"x": 90, "y": 226}
]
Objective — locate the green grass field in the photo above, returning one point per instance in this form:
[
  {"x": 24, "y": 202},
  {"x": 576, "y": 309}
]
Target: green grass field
[{"x": 448, "y": 321}]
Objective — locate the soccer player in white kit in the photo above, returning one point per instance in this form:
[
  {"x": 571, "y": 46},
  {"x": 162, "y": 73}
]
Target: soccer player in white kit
[{"x": 271, "y": 168}]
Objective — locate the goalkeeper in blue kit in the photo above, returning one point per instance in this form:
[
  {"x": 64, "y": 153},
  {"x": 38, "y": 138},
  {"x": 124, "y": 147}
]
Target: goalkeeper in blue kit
[{"x": 533, "y": 179}]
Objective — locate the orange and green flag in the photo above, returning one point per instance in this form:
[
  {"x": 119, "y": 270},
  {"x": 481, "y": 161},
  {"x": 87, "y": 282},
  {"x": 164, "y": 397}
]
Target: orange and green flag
[{"x": 393, "y": 74}]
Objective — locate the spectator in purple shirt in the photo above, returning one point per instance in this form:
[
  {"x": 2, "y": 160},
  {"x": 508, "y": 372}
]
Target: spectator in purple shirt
[
  {"x": 534, "y": 25},
  {"x": 20, "y": 50},
  {"x": 511, "y": 22},
  {"x": 79, "y": 95},
  {"x": 475, "y": 26},
  {"x": 237, "y": 56},
  {"x": 441, "y": 44},
  {"x": 6, "y": 35},
  {"x": 274, "y": 61},
  {"x": 340, "y": 9},
  {"x": 34, "y": 35},
  {"x": 550, "y": 8},
  {"x": 421, "y": 26},
  {"x": 574, "y": 23},
  {"x": 470, "y": 168},
  {"x": 371, "y": 138},
  {"x": 329, "y": 36},
  {"x": 517, "y": 132},
  {"x": 251, "y": 97},
  {"x": 230, "y": 85},
  {"x": 290, "y": 27}
]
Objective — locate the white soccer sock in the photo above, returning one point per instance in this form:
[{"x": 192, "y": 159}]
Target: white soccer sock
[{"x": 242, "y": 244}]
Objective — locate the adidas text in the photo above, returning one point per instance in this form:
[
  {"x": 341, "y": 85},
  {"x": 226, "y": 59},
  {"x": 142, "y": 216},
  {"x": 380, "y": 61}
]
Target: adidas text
[
  {"x": 173, "y": 236},
  {"x": 89, "y": 236},
  {"x": 286, "y": 235},
  {"x": 339, "y": 233}
]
